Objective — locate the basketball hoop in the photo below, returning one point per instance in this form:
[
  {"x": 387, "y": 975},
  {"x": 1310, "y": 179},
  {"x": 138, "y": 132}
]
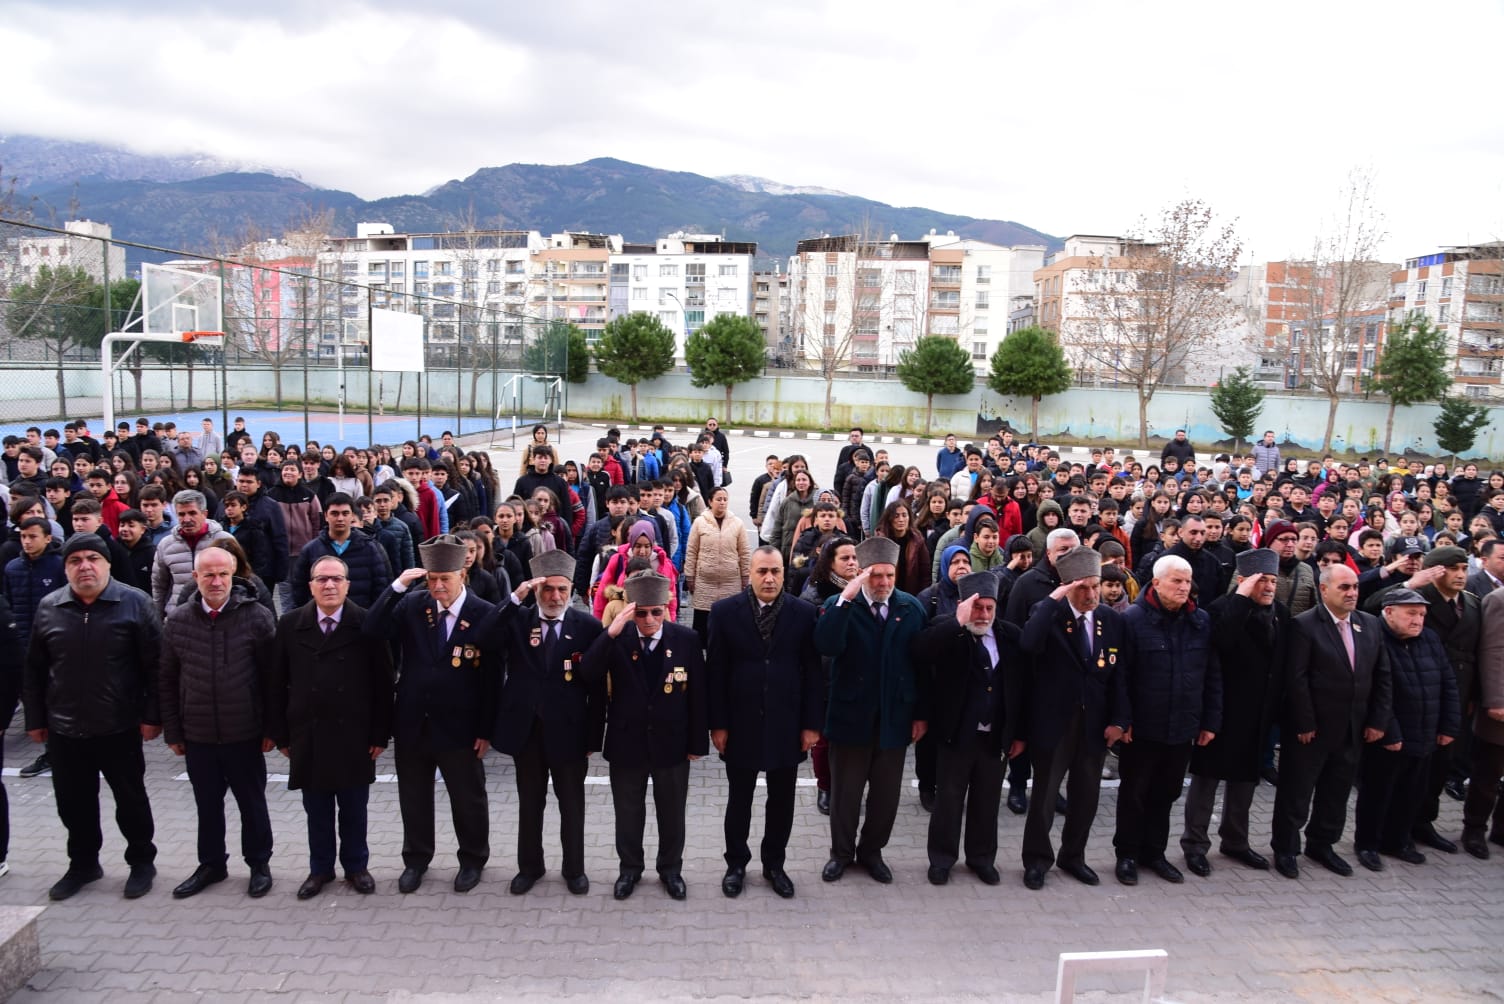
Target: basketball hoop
[{"x": 208, "y": 337}]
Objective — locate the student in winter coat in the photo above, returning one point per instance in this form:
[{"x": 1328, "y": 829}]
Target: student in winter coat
[
  {"x": 717, "y": 560},
  {"x": 641, "y": 542}
]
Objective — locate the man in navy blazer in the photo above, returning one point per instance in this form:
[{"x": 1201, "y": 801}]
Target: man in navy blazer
[
  {"x": 445, "y": 709},
  {"x": 544, "y": 719},
  {"x": 767, "y": 705},
  {"x": 655, "y": 725}
]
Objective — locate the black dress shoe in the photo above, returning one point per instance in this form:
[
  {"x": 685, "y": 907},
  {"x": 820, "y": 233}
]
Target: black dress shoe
[
  {"x": 1474, "y": 844},
  {"x": 822, "y": 802},
  {"x": 1456, "y": 789},
  {"x": 1426, "y": 835},
  {"x": 1371, "y": 860},
  {"x": 780, "y": 881},
  {"x": 987, "y": 873},
  {"x": 361, "y": 882},
  {"x": 75, "y": 879},
  {"x": 261, "y": 881},
  {"x": 1018, "y": 801},
  {"x": 833, "y": 870},
  {"x": 926, "y": 800},
  {"x": 1250, "y": 857},
  {"x": 1330, "y": 860},
  {"x": 202, "y": 878},
  {"x": 467, "y": 878},
  {"x": 1270, "y": 776},
  {"x": 1287, "y": 866},
  {"x": 1198, "y": 864},
  {"x": 138, "y": 883},
  {"x": 675, "y": 885},
  {"x": 1061, "y": 805},
  {"x": 579, "y": 885},
  {"x": 1081, "y": 872},
  {"x": 878, "y": 870},
  {"x": 938, "y": 875},
  {"x": 1408, "y": 854},
  {"x": 625, "y": 883},
  {"x": 522, "y": 882},
  {"x": 410, "y": 879},
  {"x": 313, "y": 885},
  {"x": 1033, "y": 877},
  {"x": 732, "y": 882},
  {"x": 1126, "y": 871},
  {"x": 1167, "y": 871}
]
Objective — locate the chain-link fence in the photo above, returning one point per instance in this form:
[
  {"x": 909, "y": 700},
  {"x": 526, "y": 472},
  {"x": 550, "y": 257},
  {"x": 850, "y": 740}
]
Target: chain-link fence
[{"x": 296, "y": 356}]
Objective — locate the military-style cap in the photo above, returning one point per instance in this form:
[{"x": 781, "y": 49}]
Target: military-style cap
[
  {"x": 1078, "y": 563},
  {"x": 1405, "y": 546},
  {"x": 1258, "y": 561},
  {"x": 551, "y": 563},
  {"x": 647, "y": 589},
  {"x": 1402, "y": 597},
  {"x": 877, "y": 551},
  {"x": 1447, "y": 554},
  {"x": 983, "y": 584},
  {"x": 444, "y": 553}
]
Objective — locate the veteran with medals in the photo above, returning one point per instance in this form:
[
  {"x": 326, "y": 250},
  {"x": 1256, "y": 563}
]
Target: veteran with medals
[
  {"x": 543, "y": 721},
  {"x": 445, "y": 707},
  {"x": 655, "y": 725}
]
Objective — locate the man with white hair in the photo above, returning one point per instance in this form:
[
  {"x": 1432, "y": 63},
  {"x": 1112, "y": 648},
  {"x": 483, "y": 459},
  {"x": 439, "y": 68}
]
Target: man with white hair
[{"x": 1175, "y": 695}]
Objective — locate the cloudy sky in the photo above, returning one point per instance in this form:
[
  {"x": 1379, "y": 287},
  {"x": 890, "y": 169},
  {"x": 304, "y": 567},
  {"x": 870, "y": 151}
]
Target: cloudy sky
[{"x": 1071, "y": 116}]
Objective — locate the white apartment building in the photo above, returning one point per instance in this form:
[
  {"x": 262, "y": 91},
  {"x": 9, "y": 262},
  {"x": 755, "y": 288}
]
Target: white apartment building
[
  {"x": 684, "y": 279},
  {"x": 858, "y": 303},
  {"x": 994, "y": 281},
  {"x": 1461, "y": 289},
  {"x": 83, "y": 246}
]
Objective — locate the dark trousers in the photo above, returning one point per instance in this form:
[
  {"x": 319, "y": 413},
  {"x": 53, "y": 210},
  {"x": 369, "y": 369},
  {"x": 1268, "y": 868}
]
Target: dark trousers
[
  {"x": 969, "y": 786},
  {"x": 239, "y": 768},
  {"x": 1390, "y": 790},
  {"x": 778, "y": 815},
  {"x": 924, "y": 763},
  {"x": 1201, "y": 800},
  {"x": 76, "y": 767},
  {"x": 702, "y": 627},
  {"x": 1483, "y": 789},
  {"x": 1441, "y": 767},
  {"x": 629, "y": 797},
  {"x": 465, "y": 780},
  {"x": 1081, "y": 756},
  {"x": 533, "y": 773},
  {"x": 1152, "y": 775},
  {"x": 819, "y": 762},
  {"x": 344, "y": 812},
  {"x": 878, "y": 772},
  {"x": 1314, "y": 784},
  {"x": 1022, "y": 766}
]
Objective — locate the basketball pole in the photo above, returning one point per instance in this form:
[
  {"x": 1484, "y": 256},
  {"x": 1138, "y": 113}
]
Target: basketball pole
[{"x": 108, "y": 366}]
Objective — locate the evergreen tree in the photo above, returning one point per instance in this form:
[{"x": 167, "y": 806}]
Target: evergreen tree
[
  {"x": 936, "y": 365},
  {"x": 727, "y": 351},
  {"x": 1237, "y": 401},
  {"x": 633, "y": 348},
  {"x": 1458, "y": 425},
  {"x": 559, "y": 351},
  {"x": 1413, "y": 366},
  {"x": 1030, "y": 363}
]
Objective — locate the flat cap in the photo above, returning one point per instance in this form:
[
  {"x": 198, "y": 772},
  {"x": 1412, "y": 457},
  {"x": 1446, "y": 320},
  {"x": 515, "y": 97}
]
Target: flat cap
[
  {"x": 1402, "y": 597},
  {"x": 1078, "y": 563},
  {"x": 877, "y": 551},
  {"x": 1258, "y": 561}
]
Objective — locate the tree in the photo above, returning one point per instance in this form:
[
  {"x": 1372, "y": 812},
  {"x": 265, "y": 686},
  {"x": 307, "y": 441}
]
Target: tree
[
  {"x": 1162, "y": 296},
  {"x": 1458, "y": 425},
  {"x": 633, "y": 348},
  {"x": 560, "y": 351},
  {"x": 1343, "y": 280},
  {"x": 54, "y": 308},
  {"x": 1030, "y": 363},
  {"x": 726, "y": 351},
  {"x": 1413, "y": 367},
  {"x": 1237, "y": 401},
  {"x": 936, "y": 365}
]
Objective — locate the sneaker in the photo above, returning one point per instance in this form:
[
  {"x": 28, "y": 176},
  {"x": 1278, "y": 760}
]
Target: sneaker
[
  {"x": 41, "y": 765},
  {"x": 1110, "y": 767},
  {"x": 4, "y": 868}
]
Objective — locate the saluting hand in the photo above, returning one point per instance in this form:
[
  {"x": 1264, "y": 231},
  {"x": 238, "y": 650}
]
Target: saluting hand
[
  {"x": 410, "y": 576},
  {"x": 531, "y": 584},
  {"x": 621, "y": 620},
  {"x": 855, "y": 585},
  {"x": 963, "y": 609}
]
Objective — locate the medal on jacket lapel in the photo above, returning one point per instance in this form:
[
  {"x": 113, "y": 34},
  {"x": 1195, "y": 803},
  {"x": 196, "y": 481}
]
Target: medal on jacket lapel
[{"x": 455, "y": 657}]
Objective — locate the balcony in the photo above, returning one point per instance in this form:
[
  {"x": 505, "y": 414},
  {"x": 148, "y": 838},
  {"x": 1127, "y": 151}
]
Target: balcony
[{"x": 946, "y": 276}]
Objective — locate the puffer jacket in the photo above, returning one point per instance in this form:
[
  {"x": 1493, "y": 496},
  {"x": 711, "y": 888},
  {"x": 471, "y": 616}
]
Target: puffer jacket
[
  {"x": 28, "y": 581},
  {"x": 301, "y": 513},
  {"x": 1424, "y": 688},
  {"x": 1174, "y": 680},
  {"x": 213, "y": 678},
  {"x": 717, "y": 558},
  {"x": 369, "y": 574},
  {"x": 174, "y": 564},
  {"x": 92, "y": 670}
]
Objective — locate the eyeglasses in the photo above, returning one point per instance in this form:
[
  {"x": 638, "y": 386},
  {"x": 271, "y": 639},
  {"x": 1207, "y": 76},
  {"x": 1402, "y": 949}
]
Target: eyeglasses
[
  {"x": 325, "y": 580},
  {"x": 643, "y": 613}
]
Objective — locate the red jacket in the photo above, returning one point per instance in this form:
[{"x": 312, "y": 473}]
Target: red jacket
[
  {"x": 428, "y": 510},
  {"x": 1009, "y": 522}
]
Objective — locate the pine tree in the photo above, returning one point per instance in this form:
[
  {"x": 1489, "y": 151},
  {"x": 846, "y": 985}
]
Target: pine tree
[
  {"x": 1458, "y": 424},
  {"x": 727, "y": 351},
  {"x": 936, "y": 365},
  {"x": 1030, "y": 363},
  {"x": 1236, "y": 402},
  {"x": 633, "y": 348},
  {"x": 1412, "y": 368}
]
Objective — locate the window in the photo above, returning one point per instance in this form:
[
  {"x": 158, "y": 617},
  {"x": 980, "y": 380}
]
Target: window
[
  {"x": 443, "y": 289},
  {"x": 903, "y": 329},
  {"x": 376, "y": 268},
  {"x": 397, "y": 269},
  {"x": 667, "y": 271},
  {"x": 830, "y": 318},
  {"x": 668, "y": 317},
  {"x": 979, "y": 350},
  {"x": 420, "y": 288},
  {"x": 420, "y": 270},
  {"x": 830, "y": 268},
  {"x": 694, "y": 319},
  {"x": 492, "y": 266},
  {"x": 639, "y": 272},
  {"x": 493, "y": 287},
  {"x": 639, "y": 292},
  {"x": 728, "y": 270},
  {"x": 904, "y": 280},
  {"x": 666, "y": 295},
  {"x": 443, "y": 268},
  {"x": 471, "y": 269},
  {"x": 982, "y": 299},
  {"x": 870, "y": 278},
  {"x": 1442, "y": 313},
  {"x": 984, "y": 274},
  {"x": 1446, "y": 286},
  {"x": 694, "y": 273},
  {"x": 1420, "y": 290}
]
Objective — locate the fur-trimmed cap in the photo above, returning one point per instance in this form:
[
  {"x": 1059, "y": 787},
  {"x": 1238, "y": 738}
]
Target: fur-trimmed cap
[
  {"x": 1078, "y": 563},
  {"x": 444, "y": 553},
  {"x": 877, "y": 551},
  {"x": 647, "y": 589}
]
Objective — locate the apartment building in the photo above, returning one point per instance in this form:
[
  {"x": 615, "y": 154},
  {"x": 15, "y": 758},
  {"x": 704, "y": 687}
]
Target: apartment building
[
  {"x": 1461, "y": 290},
  {"x": 857, "y": 302},
  {"x": 685, "y": 279},
  {"x": 82, "y": 246},
  {"x": 975, "y": 287},
  {"x": 770, "y": 309}
]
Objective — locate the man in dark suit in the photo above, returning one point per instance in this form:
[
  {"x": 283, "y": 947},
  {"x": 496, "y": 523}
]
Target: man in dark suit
[
  {"x": 655, "y": 725},
  {"x": 766, "y": 707},
  {"x": 446, "y": 706},
  {"x": 877, "y": 705},
  {"x": 975, "y": 669},
  {"x": 544, "y": 721},
  {"x": 329, "y": 710},
  {"x": 1077, "y": 708},
  {"x": 1337, "y": 698},
  {"x": 1491, "y": 576}
]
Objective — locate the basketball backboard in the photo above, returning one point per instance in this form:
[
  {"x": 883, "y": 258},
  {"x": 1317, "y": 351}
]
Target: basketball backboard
[{"x": 175, "y": 300}]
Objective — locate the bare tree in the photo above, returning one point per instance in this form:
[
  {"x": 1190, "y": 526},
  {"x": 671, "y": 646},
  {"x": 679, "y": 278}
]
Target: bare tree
[
  {"x": 1342, "y": 281},
  {"x": 1148, "y": 308}
]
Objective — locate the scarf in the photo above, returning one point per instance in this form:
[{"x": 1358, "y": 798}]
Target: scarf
[{"x": 767, "y": 616}]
